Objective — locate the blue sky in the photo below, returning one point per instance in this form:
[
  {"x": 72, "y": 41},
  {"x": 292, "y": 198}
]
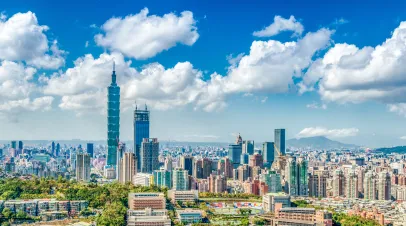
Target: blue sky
[{"x": 332, "y": 69}]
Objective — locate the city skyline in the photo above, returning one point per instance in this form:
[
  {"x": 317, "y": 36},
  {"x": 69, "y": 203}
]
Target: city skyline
[{"x": 200, "y": 77}]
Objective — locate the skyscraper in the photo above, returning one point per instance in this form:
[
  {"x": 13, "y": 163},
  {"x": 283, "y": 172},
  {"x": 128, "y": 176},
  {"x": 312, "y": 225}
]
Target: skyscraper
[
  {"x": 338, "y": 183},
  {"x": 291, "y": 186},
  {"x": 248, "y": 147},
  {"x": 302, "y": 176},
  {"x": 53, "y": 148},
  {"x": 163, "y": 178},
  {"x": 186, "y": 163},
  {"x": 202, "y": 168},
  {"x": 370, "y": 186},
  {"x": 20, "y": 145},
  {"x": 83, "y": 167},
  {"x": 279, "y": 143},
  {"x": 113, "y": 119},
  {"x": 268, "y": 151},
  {"x": 168, "y": 164},
  {"x": 58, "y": 149},
  {"x": 318, "y": 183},
  {"x": 89, "y": 149},
  {"x": 384, "y": 186},
  {"x": 235, "y": 151},
  {"x": 14, "y": 144},
  {"x": 141, "y": 130},
  {"x": 351, "y": 185},
  {"x": 225, "y": 168},
  {"x": 149, "y": 155}
]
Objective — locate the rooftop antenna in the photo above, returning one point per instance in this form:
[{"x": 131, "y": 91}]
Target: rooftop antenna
[
  {"x": 135, "y": 105},
  {"x": 146, "y": 106},
  {"x": 114, "y": 65}
]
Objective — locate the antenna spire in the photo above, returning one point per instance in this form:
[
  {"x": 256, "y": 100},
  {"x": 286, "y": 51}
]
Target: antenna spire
[{"x": 114, "y": 65}]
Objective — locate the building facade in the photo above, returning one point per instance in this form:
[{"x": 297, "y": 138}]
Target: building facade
[
  {"x": 113, "y": 119},
  {"x": 141, "y": 131}
]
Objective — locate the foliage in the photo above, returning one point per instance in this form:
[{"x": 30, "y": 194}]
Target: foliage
[
  {"x": 227, "y": 195},
  {"x": 260, "y": 221},
  {"x": 113, "y": 214},
  {"x": 346, "y": 220}
]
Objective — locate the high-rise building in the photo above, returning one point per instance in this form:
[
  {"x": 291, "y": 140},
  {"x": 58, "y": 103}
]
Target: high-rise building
[
  {"x": 186, "y": 163},
  {"x": 120, "y": 153},
  {"x": 268, "y": 151},
  {"x": 370, "y": 186},
  {"x": 113, "y": 119},
  {"x": 180, "y": 179},
  {"x": 141, "y": 129},
  {"x": 163, "y": 178},
  {"x": 243, "y": 172},
  {"x": 351, "y": 185},
  {"x": 296, "y": 177},
  {"x": 89, "y": 149},
  {"x": 82, "y": 167},
  {"x": 58, "y": 149},
  {"x": 318, "y": 183},
  {"x": 168, "y": 164},
  {"x": 361, "y": 176},
  {"x": 149, "y": 155},
  {"x": 14, "y": 144},
  {"x": 53, "y": 148},
  {"x": 384, "y": 186},
  {"x": 128, "y": 164},
  {"x": 279, "y": 143},
  {"x": 202, "y": 168},
  {"x": 338, "y": 183},
  {"x": 248, "y": 147},
  {"x": 224, "y": 167},
  {"x": 256, "y": 160},
  {"x": 245, "y": 158},
  {"x": 235, "y": 151},
  {"x": 217, "y": 183},
  {"x": 20, "y": 145},
  {"x": 273, "y": 180}
]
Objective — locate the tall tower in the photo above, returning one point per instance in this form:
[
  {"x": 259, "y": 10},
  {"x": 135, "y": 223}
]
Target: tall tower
[
  {"x": 141, "y": 131},
  {"x": 149, "y": 155},
  {"x": 279, "y": 143},
  {"x": 82, "y": 167},
  {"x": 113, "y": 119}
]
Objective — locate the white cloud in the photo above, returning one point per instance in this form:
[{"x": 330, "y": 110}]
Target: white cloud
[
  {"x": 268, "y": 68},
  {"x": 40, "y": 103},
  {"x": 315, "y": 105},
  {"x": 142, "y": 36},
  {"x": 402, "y": 137},
  {"x": 279, "y": 25},
  {"x": 399, "y": 109},
  {"x": 321, "y": 131},
  {"x": 340, "y": 21},
  {"x": 348, "y": 74},
  {"x": 87, "y": 44},
  {"x": 23, "y": 39},
  {"x": 264, "y": 99}
]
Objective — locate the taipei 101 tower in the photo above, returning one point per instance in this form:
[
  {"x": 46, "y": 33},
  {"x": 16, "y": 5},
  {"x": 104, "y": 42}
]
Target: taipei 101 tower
[{"x": 113, "y": 119}]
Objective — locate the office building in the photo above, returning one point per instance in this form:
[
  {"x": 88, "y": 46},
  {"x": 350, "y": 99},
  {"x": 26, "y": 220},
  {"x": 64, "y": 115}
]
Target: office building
[
  {"x": 248, "y": 147},
  {"x": 149, "y": 155},
  {"x": 58, "y": 149},
  {"x": 384, "y": 186},
  {"x": 279, "y": 143},
  {"x": 89, "y": 149},
  {"x": 20, "y": 145},
  {"x": 186, "y": 163},
  {"x": 142, "y": 179},
  {"x": 235, "y": 151},
  {"x": 180, "y": 179},
  {"x": 296, "y": 177},
  {"x": 140, "y": 201},
  {"x": 141, "y": 130},
  {"x": 245, "y": 158},
  {"x": 318, "y": 183},
  {"x": 168, "y": 164},
  {"x": 256, "y": 160},
  {"x": 183, "y": 196},
  {"x": 268, "y": 152},
  {"x": 113, "y": 119},
  {"x": 14, "y": 144},
  {"x": 83, "y": 167},
  {"x": 163, "y": 178}
]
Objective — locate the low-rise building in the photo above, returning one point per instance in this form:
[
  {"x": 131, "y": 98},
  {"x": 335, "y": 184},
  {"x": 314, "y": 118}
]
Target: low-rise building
[
  {"x": 140, "y": 201},
  {"x": 189, "y": 216},
  {"x": 269, "y": 200},
  {"x": 183, "y": 196}
]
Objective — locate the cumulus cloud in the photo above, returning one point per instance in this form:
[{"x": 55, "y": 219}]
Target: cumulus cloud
[
  {"x": 402, "y": 137},
  {"x": 23, "y": 39},
  {"x": 321, "y": 131},
  {"x": 348, "y": 74},
  {"x": 279, "y": 25},
  {"x": 268, "y": 68},
  {"x": 40, "y": 103},
  {"x": 399, "y": 109},
  {"x": 142, "y": 36}
]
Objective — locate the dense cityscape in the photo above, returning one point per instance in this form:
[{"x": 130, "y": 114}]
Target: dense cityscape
[{"x": 242, "y": 183}]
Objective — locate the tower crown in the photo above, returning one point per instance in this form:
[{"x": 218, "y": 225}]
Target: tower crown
[{"x": 113, "y": 75}]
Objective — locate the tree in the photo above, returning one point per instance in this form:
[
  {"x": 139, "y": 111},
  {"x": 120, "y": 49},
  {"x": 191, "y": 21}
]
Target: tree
[
  {"x": 113, "y": 214},
  {"x": 21, "y": 215},
  {"x": 7, "y": 213}
]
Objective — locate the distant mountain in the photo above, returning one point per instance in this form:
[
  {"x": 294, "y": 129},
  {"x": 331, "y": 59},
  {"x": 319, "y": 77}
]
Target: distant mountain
[
  {"x": 398, "y": 149},
  {"x": 319, "y": 142}
]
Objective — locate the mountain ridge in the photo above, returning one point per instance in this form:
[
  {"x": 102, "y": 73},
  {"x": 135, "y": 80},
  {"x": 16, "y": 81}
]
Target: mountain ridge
[{"x": 318, "y": 142}]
